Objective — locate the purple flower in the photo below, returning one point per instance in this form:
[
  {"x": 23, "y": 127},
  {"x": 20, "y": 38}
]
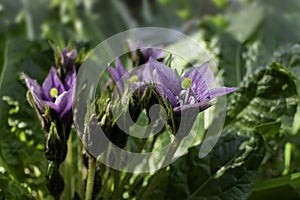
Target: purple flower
[
  {"x": 196, "y": 89},
  {"x": 118, "y": 74},
  {"x": 147, "y": 52},
  {"x": 56, "y": 94},
  {"x": 193, "y": 90},
  {"x": 69, "y": 58}
]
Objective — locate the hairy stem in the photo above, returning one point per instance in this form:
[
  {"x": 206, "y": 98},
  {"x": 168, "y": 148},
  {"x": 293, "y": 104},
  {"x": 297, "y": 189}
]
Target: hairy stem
[
  {"x": 80, "y": 167},
  {"x": 157, "y": 177},
  {"x": 90, "y": 179},
  {"x": 68, "y": 170}
]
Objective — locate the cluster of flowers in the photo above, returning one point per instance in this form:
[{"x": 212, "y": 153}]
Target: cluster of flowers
[
  {"x": 54, "y": 99},
  {"x": 53, "y": 104},
  {"x": 192, "y": 91}
]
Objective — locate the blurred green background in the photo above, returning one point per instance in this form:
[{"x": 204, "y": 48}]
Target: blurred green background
[{"x": 242, "y": 35}]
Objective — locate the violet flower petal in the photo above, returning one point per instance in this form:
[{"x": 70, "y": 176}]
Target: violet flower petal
[
  {"x": 70, "y": 80},
  {"x": 36, "y": 92},
  {"x": 155, "y": 53},
  {"x": 199, "y": 87},
  {"x": 33, "y": 86},
  {"x": 69, "y": 58},
  {"x": 118, "y": 74},
  {"x": 207, "y": 74},
  {"x": 64, "y": 103},
  {"x": 165, "y": 94},
  {"x": 221, "y": 91},
  {"x": 198, "y": 106},
  {"x": 121, "y": 70},
  {"x": 147, "y": 52},
  {"x": 114, "y": 74},
  {"x": 52, "y": 81},
  {"x": 158, "y": 73}
]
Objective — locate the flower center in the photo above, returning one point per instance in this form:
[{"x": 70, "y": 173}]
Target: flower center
[
  {"x": 186, "y": 83},
  {"x": 133, "y": 79},
  {"x": 185, "y": 97},
  {"x": 53, "y": 92}
]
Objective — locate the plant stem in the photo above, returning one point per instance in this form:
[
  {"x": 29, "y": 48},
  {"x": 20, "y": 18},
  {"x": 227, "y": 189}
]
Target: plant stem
[
  {"x": 158, "y": 175},
  {"x": 125, "y": 180},
  {"x": 90, "y": 179},
  {"x": 116, "y": 178},
  {"x": 238, "y": 64},
  {"x": 287, "y": 158},
  {"x": 80, "y": 167},
  {"x": 108, "y": 185},
  {"x": 68, "y": 169},
  {"x": 154, "y": 183},
  {"x": 295, "y": 129}
]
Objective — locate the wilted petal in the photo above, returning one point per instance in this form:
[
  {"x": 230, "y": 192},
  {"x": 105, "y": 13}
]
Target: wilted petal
[
  {"x": 221, "y": 91},
  {"x": 52, "y": 81}
]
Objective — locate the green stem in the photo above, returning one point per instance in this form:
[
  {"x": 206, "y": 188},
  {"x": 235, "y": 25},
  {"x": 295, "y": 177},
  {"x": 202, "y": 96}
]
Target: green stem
[
  {"x": 238, "y": 64},
  {"x": 295, "y": 129},
  {"x": 139, "y": 178},
  {"x": 116, "y": 178},
  {"x": 287, "y": 158},
  {"x": 156, "y": 179},
  {"x": 108, "y": 185},
  {"x": 90, "y": 179},
  {"x": 68, "y": 170},
  {"x": 119, "y": 191},
  {"x": 292, "y": 179},
  {"x": 80, "y": 179}
]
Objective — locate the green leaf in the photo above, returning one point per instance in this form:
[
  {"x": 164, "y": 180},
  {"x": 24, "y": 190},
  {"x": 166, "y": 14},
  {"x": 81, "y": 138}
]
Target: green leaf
[
  {"x": 268, "y": 129},
  {"x": 221, "y": 3},
  {"x": 22, "y": 139},
  {"x": 245, "y": 22},
  {"x": 11, "y": 189},
  {"x": 227, "y": 172},
  {"x": 278, "y": 188},
  {"x": 266, "y": 102},
  {"x": 266, "y": 98}
]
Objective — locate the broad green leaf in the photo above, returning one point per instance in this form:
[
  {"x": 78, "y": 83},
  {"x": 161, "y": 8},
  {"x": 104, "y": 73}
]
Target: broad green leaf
[
  {"x": 221, "y": 3},
  {"x": 266, "y": 98},
  {"x": 293, "y": 180},
  {"x": 227, "y": 172},
  {"x": 22, "y": 139},
  {"x": 11, "y": 189},
  {"x": 277, "y": 188},
  {"x": 228, "y": 49},
  {"x": 245, "y": 22},
  {"x": 277, "y": 193},
  {"x": 266, "y": 102}
]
